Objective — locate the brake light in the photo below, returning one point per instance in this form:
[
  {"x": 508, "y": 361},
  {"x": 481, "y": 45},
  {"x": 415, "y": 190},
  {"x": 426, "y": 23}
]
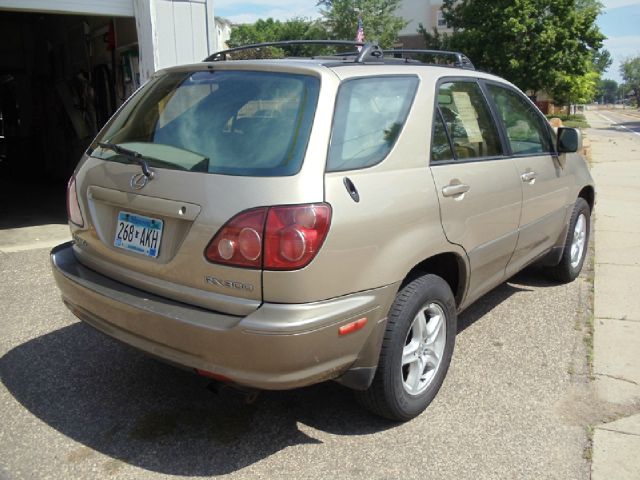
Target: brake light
[
  {"x": 294, "y": 235},
  {"x": 73, "y": 207},
  {"x": 239, "y": 242},
  {"x": 273, "y": 238}
]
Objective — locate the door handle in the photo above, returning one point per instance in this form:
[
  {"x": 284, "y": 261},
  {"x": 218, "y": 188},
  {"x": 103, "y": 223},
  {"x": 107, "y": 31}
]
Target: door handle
[
  {"x": 528, "y": 177},
  {"x": 454, "y": 190}
]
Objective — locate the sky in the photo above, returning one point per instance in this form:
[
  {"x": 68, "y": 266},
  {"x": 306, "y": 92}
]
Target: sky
[
  {"x": 248, "y": 11},
  {"x": 619, "y": 21}
]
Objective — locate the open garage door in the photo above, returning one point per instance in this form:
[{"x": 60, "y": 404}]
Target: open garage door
[
  {"x": 65, "y": 67},
  {"x": 61, "y": 78}
]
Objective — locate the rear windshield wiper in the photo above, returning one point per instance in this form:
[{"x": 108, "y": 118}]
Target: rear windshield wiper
[{"x": 133, "y": 156}]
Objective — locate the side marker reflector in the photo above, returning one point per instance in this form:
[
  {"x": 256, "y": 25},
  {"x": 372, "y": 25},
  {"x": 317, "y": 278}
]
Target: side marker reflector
[
  {"x": 352, "y": 327},
  {"x": 215, "y": 376}
]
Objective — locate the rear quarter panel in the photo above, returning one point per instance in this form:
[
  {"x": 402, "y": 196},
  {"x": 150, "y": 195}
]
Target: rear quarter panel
[{"x": 395, "y": 225}]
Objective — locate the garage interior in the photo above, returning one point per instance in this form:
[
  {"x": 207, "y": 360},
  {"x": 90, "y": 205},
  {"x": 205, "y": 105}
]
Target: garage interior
[{"x": 61, "y": 78}]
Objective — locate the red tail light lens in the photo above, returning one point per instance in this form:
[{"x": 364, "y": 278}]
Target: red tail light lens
[
  {"x": 73, "y": 207},
  {"x": 294, "y": 235},
  {"x": 273, "y": 238},
  {"x": 239, "y": 242}
]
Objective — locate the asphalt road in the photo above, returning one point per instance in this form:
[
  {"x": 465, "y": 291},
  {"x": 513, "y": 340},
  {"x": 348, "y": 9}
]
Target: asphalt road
[
  {"x": 76, "y": 404},
  {"x": 626, "y": 122}
]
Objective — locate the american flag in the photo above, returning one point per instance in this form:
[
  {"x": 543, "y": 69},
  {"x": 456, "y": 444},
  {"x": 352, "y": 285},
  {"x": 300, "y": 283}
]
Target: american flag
[{"x": 360, "y": 33}]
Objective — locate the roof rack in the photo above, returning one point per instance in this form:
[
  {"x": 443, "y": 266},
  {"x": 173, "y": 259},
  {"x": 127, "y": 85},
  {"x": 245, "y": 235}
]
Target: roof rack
[
  {"x": 460, "y": 59},
  {"x": 364, "y": 51},
  {"x": 367, "y": 49}
]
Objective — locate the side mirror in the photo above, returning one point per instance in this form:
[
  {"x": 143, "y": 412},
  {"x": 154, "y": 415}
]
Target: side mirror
[{"x": 569, "y": 140}]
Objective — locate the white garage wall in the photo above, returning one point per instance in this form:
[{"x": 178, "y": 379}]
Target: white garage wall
[{"x": 173, "y": 32}]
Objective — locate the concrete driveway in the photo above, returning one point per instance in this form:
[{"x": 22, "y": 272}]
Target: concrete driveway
[{"x": 76, "y": 404}]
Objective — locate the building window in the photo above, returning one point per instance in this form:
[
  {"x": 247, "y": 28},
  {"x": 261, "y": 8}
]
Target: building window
[{"x": 440, "y": 19}]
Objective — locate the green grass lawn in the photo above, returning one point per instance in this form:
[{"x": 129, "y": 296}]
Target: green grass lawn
[{"x": 575, "y": 121}]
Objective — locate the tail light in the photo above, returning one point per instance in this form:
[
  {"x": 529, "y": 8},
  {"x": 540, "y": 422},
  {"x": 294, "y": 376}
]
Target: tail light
[
  {"x": 273, "y": 238},
  {"x": 294, "y": 235},
  {"x": 239, "y": 242},
  {"x": 73, "y": 207}
]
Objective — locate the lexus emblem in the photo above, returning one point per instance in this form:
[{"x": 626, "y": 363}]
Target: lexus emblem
[{"x": 138, "y": 181}]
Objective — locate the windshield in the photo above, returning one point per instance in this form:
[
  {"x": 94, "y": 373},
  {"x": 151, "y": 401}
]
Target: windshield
[{"x": 227, "y": 122}]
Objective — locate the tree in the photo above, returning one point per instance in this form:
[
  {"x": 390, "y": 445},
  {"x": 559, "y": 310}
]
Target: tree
[
  {"x": 435, "y": 40},
  {"x": 630, "y": 71},
  {"x": 271, "y": 30},
  {"x": 378, "y": 18},
  {"x": 602, "y": 60},
  {"x": 623, "y": 91},
  {"x": 607, "y": 91},
  {"x": 572, "y": 89},
  {"x": 536, "y": 44}
]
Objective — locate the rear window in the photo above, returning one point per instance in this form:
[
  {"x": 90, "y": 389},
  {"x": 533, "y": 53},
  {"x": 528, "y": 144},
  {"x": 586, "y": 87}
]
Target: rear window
[
  {"x": 225, "y": 122},
  {"x": 370, "y": 113}
]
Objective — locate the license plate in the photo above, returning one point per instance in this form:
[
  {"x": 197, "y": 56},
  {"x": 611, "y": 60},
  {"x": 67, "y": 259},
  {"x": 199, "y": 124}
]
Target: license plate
[{"x": 138, "y": 233}]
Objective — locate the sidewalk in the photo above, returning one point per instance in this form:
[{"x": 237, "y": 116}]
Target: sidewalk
[{"x": 616, "y": 171}]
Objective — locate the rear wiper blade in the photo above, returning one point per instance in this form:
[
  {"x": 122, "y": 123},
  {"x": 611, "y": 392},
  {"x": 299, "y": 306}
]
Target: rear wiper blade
[{"x": 132, "y": 155}]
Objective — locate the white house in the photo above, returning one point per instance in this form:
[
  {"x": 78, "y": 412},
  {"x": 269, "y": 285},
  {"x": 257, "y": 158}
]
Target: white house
[
  {"x": 416, "y": 12},
  {"x": 223, "y": 32}
]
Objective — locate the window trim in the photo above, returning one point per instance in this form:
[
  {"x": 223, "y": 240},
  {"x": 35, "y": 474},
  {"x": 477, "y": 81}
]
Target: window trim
[
  {"x": 500, "y": 133},
  {"x": 333, "y": 118},
  {"x": 485, "y": 85},
  {"x": 439, "y": 117}
]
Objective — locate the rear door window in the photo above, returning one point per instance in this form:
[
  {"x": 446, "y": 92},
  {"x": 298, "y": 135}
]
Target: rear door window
[
  {"x": 370, "y": 113},
  {"x": 229, "y": 122},
  {"x": 468, "y": 123}
]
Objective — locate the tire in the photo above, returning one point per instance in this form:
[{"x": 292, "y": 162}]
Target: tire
[
  {"x": 401, "y": 392},
  {"x": 575, "y": 247}
]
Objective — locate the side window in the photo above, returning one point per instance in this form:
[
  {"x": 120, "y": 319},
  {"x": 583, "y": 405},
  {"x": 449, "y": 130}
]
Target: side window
[
  {"x": 370, "y": 113},
  {"x": 440, "y": 146},
  {"x": 527, "y": 131},
  {"x": 468, "y": 120}
]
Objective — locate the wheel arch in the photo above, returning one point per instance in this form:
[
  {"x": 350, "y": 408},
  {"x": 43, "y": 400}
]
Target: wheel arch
[
  {"x": 589, "y": 195},
  {"x": 449, "y": 266}
]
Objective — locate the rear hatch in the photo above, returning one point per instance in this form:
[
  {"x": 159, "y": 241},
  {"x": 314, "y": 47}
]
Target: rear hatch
[{"x": 214, "y": 143}]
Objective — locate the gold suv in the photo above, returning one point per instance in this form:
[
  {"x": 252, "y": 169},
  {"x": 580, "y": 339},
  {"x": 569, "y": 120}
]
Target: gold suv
[{"x": 276, "y": 223}]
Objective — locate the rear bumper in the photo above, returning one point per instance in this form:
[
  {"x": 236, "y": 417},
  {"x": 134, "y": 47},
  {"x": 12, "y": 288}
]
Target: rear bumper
[{"x": 278, "y": 346}]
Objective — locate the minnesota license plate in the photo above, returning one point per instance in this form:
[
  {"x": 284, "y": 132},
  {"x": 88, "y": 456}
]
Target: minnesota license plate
[{"x": 138, "y": 233}]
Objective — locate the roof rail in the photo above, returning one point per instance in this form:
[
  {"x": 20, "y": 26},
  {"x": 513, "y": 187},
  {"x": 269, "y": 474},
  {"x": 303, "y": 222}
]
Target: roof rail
[
  {"x": 460, "y": 60},
  {"x": 363, "y": 51},
  {"x": 368, "y": 51}
]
